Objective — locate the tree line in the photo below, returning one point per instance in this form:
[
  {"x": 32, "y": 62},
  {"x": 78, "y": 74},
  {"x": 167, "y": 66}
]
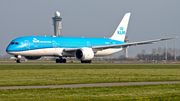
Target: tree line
[{"x": 160, "y": 54}]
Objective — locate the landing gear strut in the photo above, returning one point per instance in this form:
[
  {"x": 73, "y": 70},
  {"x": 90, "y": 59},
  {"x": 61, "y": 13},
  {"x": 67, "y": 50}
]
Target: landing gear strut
[
  {"x": 18, "y": 58},
  {"x": 61, "y": 60},
  {"x": 86, "y": 61}
]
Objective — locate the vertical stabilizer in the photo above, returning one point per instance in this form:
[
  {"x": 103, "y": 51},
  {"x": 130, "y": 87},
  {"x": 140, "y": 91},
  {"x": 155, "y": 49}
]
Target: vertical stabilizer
[{"x": 120, "y": 32}]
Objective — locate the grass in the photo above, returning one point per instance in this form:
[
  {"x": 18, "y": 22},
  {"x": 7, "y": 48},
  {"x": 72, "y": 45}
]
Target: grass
[
  {"x": 168, "y": 92},
  {"x": 20, "y": 75}
]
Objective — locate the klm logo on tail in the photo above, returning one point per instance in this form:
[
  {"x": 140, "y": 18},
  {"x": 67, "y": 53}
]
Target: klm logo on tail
[{"x": 121, "y": 32}]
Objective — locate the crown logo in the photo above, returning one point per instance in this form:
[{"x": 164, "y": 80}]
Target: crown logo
[
  {"x": 121, "y": 28},
  {"x": 121, "y": 32}
]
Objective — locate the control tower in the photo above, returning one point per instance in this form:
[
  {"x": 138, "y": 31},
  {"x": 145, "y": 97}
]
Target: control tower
[{"x": 57, "y": 24}]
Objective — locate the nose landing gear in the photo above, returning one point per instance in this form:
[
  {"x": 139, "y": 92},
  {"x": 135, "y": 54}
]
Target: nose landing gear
[
  {"x": 18, "y": 61},
  {"x": 18, "y": 58}
]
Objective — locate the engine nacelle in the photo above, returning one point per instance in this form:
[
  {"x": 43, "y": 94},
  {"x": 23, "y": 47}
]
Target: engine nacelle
[
  {"x": 32, "y": 57},
  {"x": 84, "y": 54}
]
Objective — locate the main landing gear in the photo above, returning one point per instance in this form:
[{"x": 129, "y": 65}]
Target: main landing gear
[
  {"x": 86, "y": 61},
  {"x": 61, "y": 60}
]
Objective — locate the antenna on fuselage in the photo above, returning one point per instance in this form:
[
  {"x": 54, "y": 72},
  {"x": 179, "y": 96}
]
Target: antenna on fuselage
[{"x": 57, "y": 24}]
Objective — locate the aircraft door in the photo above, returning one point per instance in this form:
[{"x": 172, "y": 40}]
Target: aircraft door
[
  {"x": 54, "y": 44},
  {"x": 88, "y": 44},
  {"x": 27, "y": 44}
]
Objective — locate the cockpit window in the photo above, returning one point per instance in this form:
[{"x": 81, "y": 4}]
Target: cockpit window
[
  {"x": 12, "y": 43},
  {"x": 16, "y": 43}
]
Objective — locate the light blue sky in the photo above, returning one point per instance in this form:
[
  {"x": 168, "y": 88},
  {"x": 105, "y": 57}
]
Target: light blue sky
[{"x": 150, "y": 19}]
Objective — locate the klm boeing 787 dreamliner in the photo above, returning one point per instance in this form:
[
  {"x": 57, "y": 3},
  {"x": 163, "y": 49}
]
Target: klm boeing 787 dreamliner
[{"x": 84, "y": 49}]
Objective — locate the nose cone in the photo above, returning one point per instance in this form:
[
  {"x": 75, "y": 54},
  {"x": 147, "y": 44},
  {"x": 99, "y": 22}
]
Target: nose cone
[
  {"x": 9, "y": 49},
  {"x": 13, "y": 47}
]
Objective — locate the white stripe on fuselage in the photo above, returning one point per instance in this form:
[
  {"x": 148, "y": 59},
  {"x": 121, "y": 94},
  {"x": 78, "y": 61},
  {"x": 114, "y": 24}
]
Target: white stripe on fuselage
[
  {"x": 40, "y": 52},
  {"x": 59, "y": 51}
]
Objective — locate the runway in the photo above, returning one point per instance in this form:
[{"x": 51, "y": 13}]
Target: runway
[
  {"x": 90, "y": 63},
  {"x": 91, "y": 85}
]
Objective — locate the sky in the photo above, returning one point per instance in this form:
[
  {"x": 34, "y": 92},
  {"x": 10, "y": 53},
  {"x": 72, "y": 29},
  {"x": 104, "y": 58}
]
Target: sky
[{"x": 150, "y": 19}]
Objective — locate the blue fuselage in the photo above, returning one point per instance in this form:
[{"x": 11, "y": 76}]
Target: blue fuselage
[{"x": 38, "y": 42}]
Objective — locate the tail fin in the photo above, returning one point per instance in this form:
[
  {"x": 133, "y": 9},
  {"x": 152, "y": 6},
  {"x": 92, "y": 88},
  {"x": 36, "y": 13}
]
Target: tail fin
[{"x": 120, "y": 32}]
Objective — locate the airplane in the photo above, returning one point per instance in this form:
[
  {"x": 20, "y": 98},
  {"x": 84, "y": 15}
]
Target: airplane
[{"x": 84, "y": 49}]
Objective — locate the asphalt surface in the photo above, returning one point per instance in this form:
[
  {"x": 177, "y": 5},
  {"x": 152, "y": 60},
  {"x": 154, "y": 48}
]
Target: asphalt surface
[
  {"x": 90, "y": 85},
  {"x": 126, "y": 63}
]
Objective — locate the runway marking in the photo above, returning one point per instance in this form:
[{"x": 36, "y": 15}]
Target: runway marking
[{"x": 91, "y": 85}]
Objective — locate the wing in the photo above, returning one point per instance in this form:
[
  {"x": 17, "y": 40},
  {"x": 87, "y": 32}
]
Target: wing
[
  {"x": 132, "y": 43},
  {"x": 123, "y": 45}
]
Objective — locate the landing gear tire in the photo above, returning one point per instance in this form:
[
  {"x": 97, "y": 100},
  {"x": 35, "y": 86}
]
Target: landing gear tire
[
  {"x": 60, "y": 60},
  {"x": 18, "y": 61},
  {"x": 63, "y": 60},
  {"x": 86, "y": 61},
  {"x": 57, "y": 60}
]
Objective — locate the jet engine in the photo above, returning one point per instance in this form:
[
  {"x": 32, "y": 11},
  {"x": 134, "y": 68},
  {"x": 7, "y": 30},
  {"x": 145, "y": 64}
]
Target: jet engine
[
  {"x": 84, "y": 54},
  {"x": 32, "y": 57}
]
